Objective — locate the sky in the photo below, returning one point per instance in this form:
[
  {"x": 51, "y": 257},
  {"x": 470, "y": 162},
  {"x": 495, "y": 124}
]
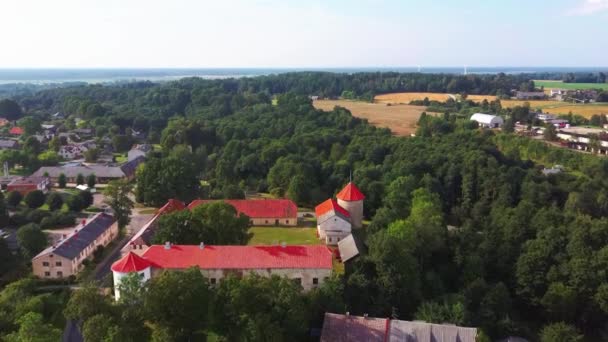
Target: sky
[{"x": 304, "y": 33}]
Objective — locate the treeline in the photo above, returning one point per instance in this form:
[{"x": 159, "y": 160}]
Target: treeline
[{"x": 573, "y": 77}]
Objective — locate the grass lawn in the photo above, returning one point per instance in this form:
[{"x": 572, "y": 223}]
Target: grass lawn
[
  {"x": 291, "y": 236},
  {"x": 148, "y": 211},
  {"x": 562, "y": 85},
  {"x": 120, "y": 157}
]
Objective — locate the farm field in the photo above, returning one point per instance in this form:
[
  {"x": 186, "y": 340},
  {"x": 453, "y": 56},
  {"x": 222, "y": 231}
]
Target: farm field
[
  {"x": 562, "y": 85},
  {"x": 400, "y": 119},
  {"x": 547, "y": 106},
  {"x": 291, "y": 236}
]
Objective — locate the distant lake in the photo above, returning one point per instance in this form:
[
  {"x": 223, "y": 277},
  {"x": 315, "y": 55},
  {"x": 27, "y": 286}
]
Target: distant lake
[{"x": 46, "y": 76}]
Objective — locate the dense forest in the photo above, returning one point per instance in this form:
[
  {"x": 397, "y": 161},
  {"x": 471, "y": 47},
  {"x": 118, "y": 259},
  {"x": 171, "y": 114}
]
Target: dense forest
[{"x": 464, "y": 226}]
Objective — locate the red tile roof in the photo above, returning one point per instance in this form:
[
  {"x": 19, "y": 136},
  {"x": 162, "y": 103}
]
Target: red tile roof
[
  {"x": 239, "y": 257},
  {"x": 171, "y": 206},
  {"x": 130, "y": 263},
  {"x": 264, "y": 208},
  {"x": 351, "y": 193},
  {"x": 329, "y": 205},
  {"x": 16, "y": 130}
]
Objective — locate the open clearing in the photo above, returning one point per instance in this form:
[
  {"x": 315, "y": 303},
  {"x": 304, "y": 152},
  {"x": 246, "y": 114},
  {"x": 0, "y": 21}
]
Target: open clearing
[
  {"x": 562, "y": 85},
  {"x": 547, "y": 106},
  {"x": 400, "y": 119},
  {"x": 276, "y": 235}
]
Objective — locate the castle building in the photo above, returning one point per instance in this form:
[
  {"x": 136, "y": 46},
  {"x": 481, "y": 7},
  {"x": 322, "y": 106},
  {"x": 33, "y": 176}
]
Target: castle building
[{"x": 336, "y": 218}]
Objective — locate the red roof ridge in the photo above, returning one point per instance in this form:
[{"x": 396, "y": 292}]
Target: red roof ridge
[
  {"x": 257, "y": 208},
  {"x": 350, "y": 193}
]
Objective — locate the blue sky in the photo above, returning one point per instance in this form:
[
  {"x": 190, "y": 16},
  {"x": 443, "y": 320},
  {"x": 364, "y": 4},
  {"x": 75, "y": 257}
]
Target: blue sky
[{"x": 312, "y": 33}]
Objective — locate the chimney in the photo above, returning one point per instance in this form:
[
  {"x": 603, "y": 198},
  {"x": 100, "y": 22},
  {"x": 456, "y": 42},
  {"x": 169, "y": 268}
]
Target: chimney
[
  {"x": 167, "y": 245},
  {"x": 63, "y": 236},
  {"x": 365, "y": 315},
  {"x": 201, "y": 245},
  {"x": 347, "y": 313},
  {"x": 283, "y": 244},
  {"x": 84, "y": 221}
]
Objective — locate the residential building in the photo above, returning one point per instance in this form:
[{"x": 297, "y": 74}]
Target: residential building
[
  {"x": 4, "y": 122},
  {"x": 142, "y": 240},
  {"x": 16, "y": 131},
  {"x": 72, "y": 151},
  {"x": 140, "y": 150},
  {"x": 335, "y": 219},
  {"x": 103, "y": 173},
  {"x": 530, "y": 95},
  {"x": 346, "y": 328},
  {"x": 25, "y": 185},
  {"x": 309, "y": 266},
  {"x": 487, "y": 120},
  {"x": 262, "y": 212},
  {"x": 65, "y": 258},
  {"x": 333, "y": 222},
  {"x": 9, "y": 144}
]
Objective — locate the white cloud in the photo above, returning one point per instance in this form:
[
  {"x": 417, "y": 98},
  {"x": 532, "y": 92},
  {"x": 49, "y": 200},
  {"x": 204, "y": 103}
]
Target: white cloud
[{"x": 587, "y": 7}]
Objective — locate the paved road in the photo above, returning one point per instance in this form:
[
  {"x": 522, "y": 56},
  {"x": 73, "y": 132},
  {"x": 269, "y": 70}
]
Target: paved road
[{"x": 137, "y": 221}]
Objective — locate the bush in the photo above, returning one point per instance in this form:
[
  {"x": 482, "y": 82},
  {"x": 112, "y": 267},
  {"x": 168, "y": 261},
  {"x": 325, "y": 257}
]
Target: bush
[
  {"x": 54, "y": 201},
  {"x": 35, "y": 199},
  {"x": 58, "y": 220},
  {"x": 37, "y": 215},
  {"x": 62, "y": 181},
  {"x": 19, "y": 218},
  {"x": 14, "y": 198}
]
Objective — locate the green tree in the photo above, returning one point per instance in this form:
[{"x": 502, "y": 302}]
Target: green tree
[
  {"x": 86, "y": 303},
  {"x": 35, "y": 199},
  {"x": 117, "y": 197},
  {"x": 32, "y": 328},
  {"x": 10, "y": 110},
  {"x": 75, "y": 203},
  {"x": 299, "y": 190},
  {"x": 54, "y": 201},
  {"x": 550, "y": 133},
  {"x": 86, "y": 198},
  {"x": 32, "y": 145},
  {"x": 30, "y": 125},
  {"x": 49, "y": 158},
  {"x": 55, "y": 144},
  {"x": 62, "y": 180},
  {"x": 79, "y": 179},
  {"x": 31, "y": 239},
  {"x": 91, "y": 181},
  {"x": 560, "y": 332},
  {"x": 179, "y": 302},
  {"x": 14, "y": 198},
  {"x": 91, "y": 155},
  {"x": 158, "y": 180},
  {"x": 4, "y": 216}
]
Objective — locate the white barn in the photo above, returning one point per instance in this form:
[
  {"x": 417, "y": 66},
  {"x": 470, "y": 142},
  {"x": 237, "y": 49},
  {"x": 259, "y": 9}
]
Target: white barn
[
  {"x": 333, "y": 222},
  {"x": 487, "y": 120}
]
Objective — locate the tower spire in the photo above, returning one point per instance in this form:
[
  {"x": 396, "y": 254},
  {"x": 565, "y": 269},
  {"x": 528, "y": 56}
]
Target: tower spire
[{"x": 351, "y": 176}]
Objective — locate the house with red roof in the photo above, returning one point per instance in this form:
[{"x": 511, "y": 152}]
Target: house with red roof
[
  {"x": 262, "y": 212},
  {"x": 16, "y": 131},
  {"x": 309, "y": 266},
  {"x": 336, "y": 218}
]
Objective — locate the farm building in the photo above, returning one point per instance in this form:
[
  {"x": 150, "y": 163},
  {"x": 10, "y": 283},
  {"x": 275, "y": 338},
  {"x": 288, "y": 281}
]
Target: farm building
[
  {"x": 66, "y": 257},
  {"x": 487, "y": 120},
  {"x": 335, "y": 219},
  {"x": 103, "y": 173},
  {"x": 25, "y": 185},
  {"x": 309, "y": 266},
  {"x": 338, "y": 328},
  {"x": 264, "y": 212}
]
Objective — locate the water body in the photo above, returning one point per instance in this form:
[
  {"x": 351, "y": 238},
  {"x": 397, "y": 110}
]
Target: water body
[{"x": 49, "y": 76}]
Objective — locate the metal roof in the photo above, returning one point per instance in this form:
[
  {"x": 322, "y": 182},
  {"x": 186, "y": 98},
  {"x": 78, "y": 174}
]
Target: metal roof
[{"x": 82, "y": 236}]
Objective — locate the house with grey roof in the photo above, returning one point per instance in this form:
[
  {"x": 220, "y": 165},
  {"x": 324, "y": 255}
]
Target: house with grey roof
[
  {"x": 343, "y": 328},
  {"x": 8, "y": 144},
  {"x": 103, "y": 173},
  {"x": 65, "y": 258}
]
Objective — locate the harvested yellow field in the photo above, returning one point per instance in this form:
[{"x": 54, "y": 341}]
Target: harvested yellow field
[
  {"x": 400, "y": 119},
  {"x": 406, "y": 98},
  {"x": 547, "y": 106}
]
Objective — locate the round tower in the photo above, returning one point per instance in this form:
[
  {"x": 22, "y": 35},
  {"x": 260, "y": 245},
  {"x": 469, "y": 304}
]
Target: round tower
[
  {"x": 130, "y": 263},
  {"x": 351, "y": 199}
]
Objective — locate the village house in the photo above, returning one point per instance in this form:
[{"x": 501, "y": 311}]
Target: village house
[
  {"x": 103, "y": 173},
  {"x": 487, "y": 120},
  {"x": 72, "y": 151},
  {"x": 346, "y": 328},
  {"x": 335, "y": 219},
  {"x": 4, "y": 122},
  {"x": 262, "y": 212},
  {"x": 309, "y": 266},
  {"x": 65, "y": 258},
  {"x": 9, "y": 144},
  {"x": 25, "y": 185},
  {"x": 16, "y": 131},
  {"x": 530, "y": 95},
  {"x": 140, "y": 150}
]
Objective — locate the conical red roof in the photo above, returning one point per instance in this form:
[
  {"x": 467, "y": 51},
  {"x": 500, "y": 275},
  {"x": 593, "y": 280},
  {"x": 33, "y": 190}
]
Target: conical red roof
[
  {"x": 131, "y": 263},
  {"x": 351, "y": 193}
]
